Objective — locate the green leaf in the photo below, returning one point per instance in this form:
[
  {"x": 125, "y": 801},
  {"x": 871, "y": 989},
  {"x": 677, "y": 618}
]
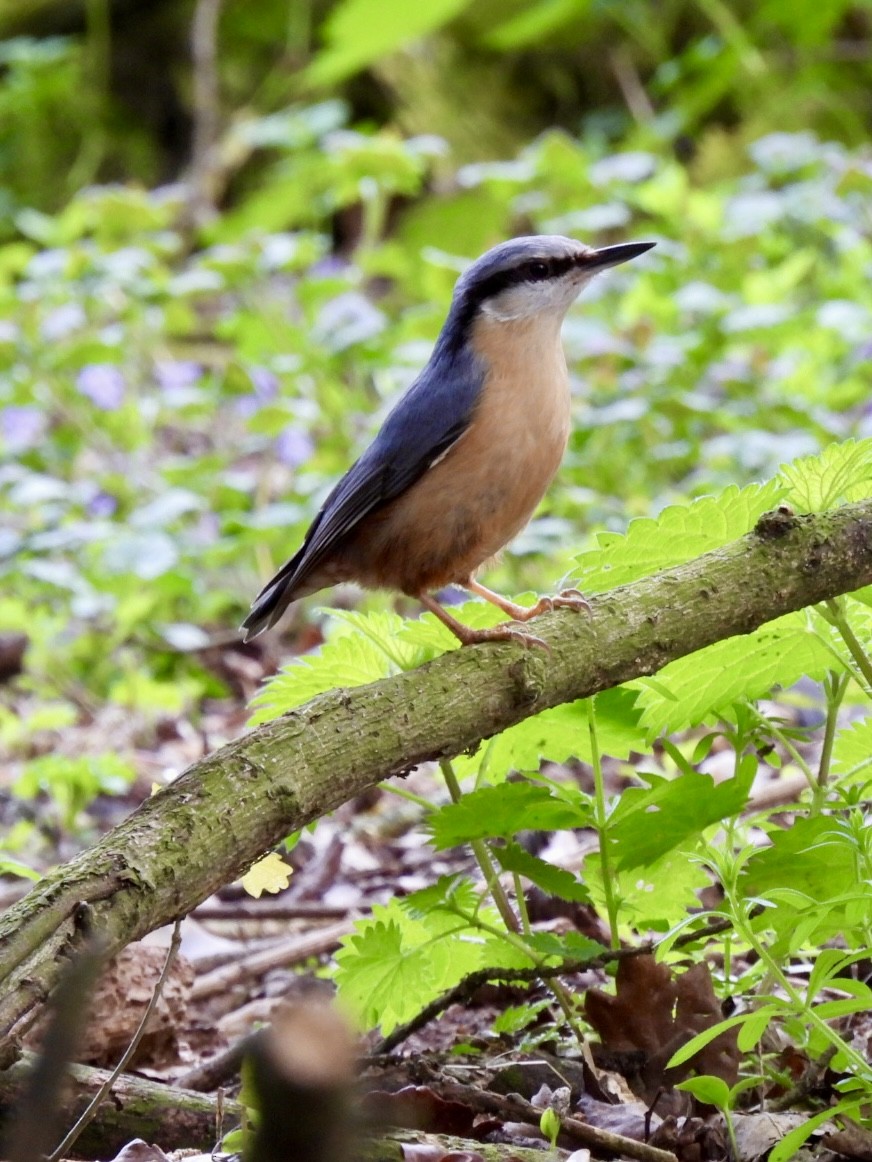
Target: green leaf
[
  {"x": 359, "y": 32},
  {"x": 394, "y": 963},
  {"x": 534, "y": 23},
  {"x": 655, "y": 897},
  {"x": 755, "y": 1026},
  {"x": 840, "y": 473},
  {"x": 353, "y": 656},
  {"x": 501, "y": 812},
  {"x": 648, "y": 822},
  {"x": 564, "y": 732},
  {"x": 693, "y": 1046},
  {"x": 692, "y": 690},
  {"x": 454, "y": 893},
  {"x": 569, "y": 945},
  {"x": 852, "y": 751},
  {"x": 816, "y": 856},
  {"x": 790, "y": 1144},
  {"x": 678, "y": 534},
  {"x": 714, "y": 1091},
  {"x": 556, "y": 881}
]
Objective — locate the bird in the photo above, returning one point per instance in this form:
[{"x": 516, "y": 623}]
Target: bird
[{"x": 464, "y": 458}]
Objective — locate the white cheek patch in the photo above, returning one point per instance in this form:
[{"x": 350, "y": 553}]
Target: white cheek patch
[{"x": 553, "y": 296}]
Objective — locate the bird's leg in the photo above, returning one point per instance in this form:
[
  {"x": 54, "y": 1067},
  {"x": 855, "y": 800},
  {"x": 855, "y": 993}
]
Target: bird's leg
[
  {"x": 470, "y": 637},
  {"x": 565, "y": 599}
]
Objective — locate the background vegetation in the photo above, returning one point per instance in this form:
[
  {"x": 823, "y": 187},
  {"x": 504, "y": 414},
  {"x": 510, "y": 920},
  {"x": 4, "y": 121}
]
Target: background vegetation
[{"x": 228, "y": 237}]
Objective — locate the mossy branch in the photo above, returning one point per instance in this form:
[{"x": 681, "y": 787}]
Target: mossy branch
[{"x": 224, "y": 811}]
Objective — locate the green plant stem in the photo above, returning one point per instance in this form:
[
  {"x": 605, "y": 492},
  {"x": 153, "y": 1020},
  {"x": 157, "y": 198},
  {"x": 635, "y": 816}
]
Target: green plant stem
[
  {"x": 834, "y": 686},
  {"x": 491, "y": 876},
  {"x": 837, "y": 618},
  {"x": 781, "y": 737},
  {"x": 801, "y": 1007},
  {"x": 522, "y": 904},
  {"x": 405, "y": 793},
  {"x": 601, "y": 824},
  {"x": 482, "y": 855}
]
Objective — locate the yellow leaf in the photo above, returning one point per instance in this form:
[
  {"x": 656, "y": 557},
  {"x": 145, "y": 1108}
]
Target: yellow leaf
[{"x": 270, "y": 874}]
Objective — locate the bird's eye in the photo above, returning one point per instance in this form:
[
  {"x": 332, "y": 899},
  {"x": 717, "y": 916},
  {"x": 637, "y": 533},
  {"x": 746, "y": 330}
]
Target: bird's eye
[{"x": 537, "y": 270}]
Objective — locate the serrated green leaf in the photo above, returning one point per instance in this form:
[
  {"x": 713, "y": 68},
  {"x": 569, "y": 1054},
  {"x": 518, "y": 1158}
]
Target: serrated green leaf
[
  {"x": 453, "y": 893},
  {"x": 654, "y": 897},
  {"x": 838, "y": 474},
  {"x": 564, "y": 732},
  {"x": 556, "y": 881},
  {"x": 678, "y": 534},
  {"x": 501, "y": 812},
  {"x": 650, "y": 821},
  {"x": 815, "y": 856},
  {"x": 569, "y": 945},
  {"x": 692, "y": 690},
  {"x": 852, "y": 751},
  {"x": 350, "y": 657},
  {"x": 393, "y": 964}
]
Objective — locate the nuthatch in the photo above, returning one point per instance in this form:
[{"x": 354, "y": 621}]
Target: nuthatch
[{"x": 463, "y": 459}]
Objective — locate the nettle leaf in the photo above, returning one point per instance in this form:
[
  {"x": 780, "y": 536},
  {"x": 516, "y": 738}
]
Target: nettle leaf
[
  {"x": 351, "y": 657},
  {"x": 566, "y": 945},
  {"x": 815, "y": 856},
  {"x": 454, "y": 893},
  {"x": 852, "y": 752},
  {"x": 394, "y": 964},
  {"x": 501, "y": 812},
  {"x": 564, "y": 732},
  {"x": 556, "y": 881},
  {"x": 651, "y": 821},
  {"x": 678, "y": 534},
  {"x": 654, "y": 897},
  {"x": 840, "y": 473},
  {"x": 692, "y": 690}
]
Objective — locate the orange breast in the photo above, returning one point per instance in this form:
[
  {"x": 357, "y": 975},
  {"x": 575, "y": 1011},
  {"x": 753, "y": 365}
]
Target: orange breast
[{"x": 471, "y": 503}]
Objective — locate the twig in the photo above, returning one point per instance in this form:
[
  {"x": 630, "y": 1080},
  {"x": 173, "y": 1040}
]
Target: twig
[
  {"x": 513, "y": 1107},
  {"x": 291, "y": 951},
  {"x": 67, "y": 1144},
  {"x": 210, "y": 1074}
]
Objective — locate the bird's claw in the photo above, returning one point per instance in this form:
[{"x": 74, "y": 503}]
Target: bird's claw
[{"x": 571, "y": 599}]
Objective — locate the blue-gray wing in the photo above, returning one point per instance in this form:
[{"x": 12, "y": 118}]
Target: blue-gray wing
[{"x": 434, "y": 413}]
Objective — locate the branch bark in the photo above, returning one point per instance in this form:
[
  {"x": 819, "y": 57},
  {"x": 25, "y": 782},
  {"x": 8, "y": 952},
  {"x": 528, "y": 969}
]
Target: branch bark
[{"x": 224, "y": 811}]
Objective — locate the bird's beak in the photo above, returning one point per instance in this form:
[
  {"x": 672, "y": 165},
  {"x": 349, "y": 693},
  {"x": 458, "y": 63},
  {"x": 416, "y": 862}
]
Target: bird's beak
[{"x": 612, "y": 255}]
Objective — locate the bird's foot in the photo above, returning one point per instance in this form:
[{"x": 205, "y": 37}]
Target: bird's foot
[
  {"x": 507, "y": 632},
  {"x": 467, "y": 636},
  {"x": 565, "y": 599}
]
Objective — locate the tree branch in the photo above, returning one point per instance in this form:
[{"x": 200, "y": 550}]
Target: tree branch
[{"x": 224, "y": 811}]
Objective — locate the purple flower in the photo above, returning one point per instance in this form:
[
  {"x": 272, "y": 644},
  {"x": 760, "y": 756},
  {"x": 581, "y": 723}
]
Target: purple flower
[
  {"x": 294, "y": 447},
  {"x": 103, "y": 384},
  {"x": 21, "y": 427},
  {"x": 176, "y": 373},
  {"x": 266, "y": 388},
  {"x": 102, "y": 504},
  {"x": 62, "y": 321},
  {"x": 265, "y": 384}
]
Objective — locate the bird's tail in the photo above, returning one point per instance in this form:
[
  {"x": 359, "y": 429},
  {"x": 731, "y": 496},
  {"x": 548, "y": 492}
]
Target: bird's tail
[{"x": 272, "y": 601}]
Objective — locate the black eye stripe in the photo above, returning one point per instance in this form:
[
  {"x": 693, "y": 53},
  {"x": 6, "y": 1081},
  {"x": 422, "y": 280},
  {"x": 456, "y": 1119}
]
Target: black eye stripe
[{"x": 531, "y": 270}]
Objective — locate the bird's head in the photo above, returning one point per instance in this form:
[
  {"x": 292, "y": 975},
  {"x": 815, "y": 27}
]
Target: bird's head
[{"x": 540, "y": 275}]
